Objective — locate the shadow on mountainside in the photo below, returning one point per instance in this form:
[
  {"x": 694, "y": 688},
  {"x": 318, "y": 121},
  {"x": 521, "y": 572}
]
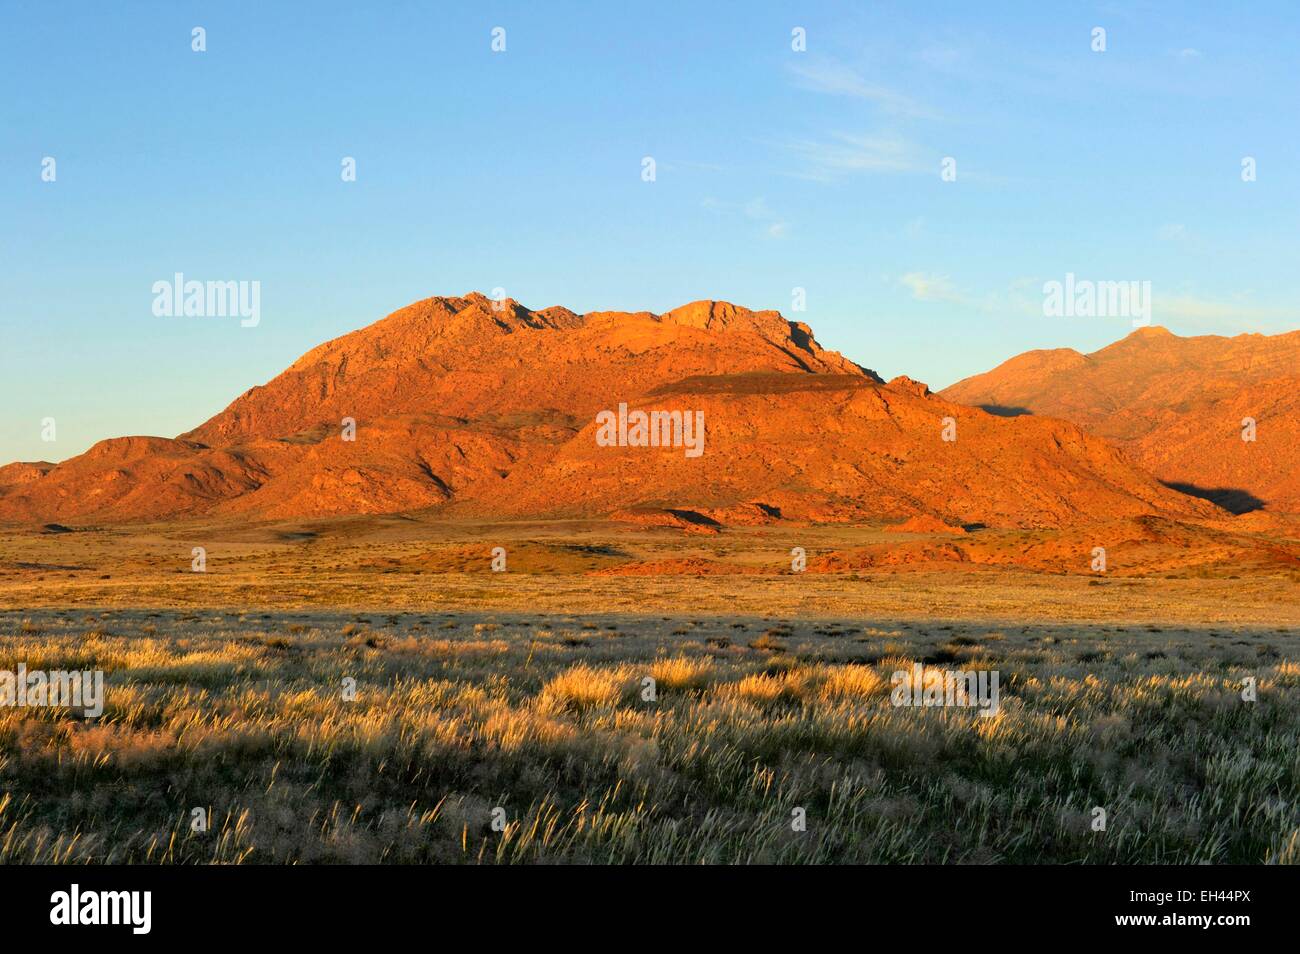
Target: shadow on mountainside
[{"x": 1232, "y": 499}]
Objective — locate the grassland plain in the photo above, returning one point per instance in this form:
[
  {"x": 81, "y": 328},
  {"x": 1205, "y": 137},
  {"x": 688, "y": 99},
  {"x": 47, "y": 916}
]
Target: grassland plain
[
  {"x": 228, "y": 691},
  {"x": 245, "y": 716}
]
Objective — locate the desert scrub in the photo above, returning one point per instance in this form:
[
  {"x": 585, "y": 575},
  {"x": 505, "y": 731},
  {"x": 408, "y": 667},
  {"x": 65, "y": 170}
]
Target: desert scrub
[
  {"x": 586, "y": 687},
  {"x": 251, "y": 719},
  {"x": 682, "y": 673}
]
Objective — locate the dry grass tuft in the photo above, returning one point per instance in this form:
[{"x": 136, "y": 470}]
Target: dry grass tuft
[{"x": 246, "y": 715}]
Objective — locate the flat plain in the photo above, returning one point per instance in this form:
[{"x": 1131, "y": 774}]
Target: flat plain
[{"x": 369, "y": 690}]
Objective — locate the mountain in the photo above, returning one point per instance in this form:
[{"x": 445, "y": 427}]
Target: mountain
[
  {"x": 485, "y": 409},
  {"x": 1176, "y": 404}
]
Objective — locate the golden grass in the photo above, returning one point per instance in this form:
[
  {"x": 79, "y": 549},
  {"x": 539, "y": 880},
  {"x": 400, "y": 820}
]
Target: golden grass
[
  {"x": 547, "y": 718},
  {"x": 682, "y": 673},
  {"x": 585, "y": 687}
]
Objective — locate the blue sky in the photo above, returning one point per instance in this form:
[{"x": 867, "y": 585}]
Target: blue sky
[{"x": 775, "y": 169}]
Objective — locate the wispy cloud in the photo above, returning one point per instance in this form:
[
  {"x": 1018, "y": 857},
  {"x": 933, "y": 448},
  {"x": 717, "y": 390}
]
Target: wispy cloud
[
  {"x": 1232, "y": 314},
  {"x": 824, "y": 75},
  {"x": 756, "y": 210},
  {"x": 1237, "y": 313},
  {"x": 843, "y": 154},
  {"x": 925, "y": 287}
]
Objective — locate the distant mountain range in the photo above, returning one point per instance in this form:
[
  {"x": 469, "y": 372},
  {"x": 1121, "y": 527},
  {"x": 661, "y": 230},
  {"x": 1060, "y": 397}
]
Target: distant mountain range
[
  {"x": 479, "y": 408},
  {"x": 1180, "y": 406}
]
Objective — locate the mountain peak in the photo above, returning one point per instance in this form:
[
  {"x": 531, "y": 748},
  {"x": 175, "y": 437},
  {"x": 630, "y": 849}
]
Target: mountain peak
[
  {"x": 1176, "y": 404},
  {"x": 473, "y": 356},
  {"x": 1152, "y": 332},
  {"x": 485, "y": 407},
  {"x": 709, "y": 314}
]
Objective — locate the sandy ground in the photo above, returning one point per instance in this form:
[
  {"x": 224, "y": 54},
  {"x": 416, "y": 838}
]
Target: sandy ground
[
  {"x": 517, "y": 696},
  {"x": 399, "y": 564}
]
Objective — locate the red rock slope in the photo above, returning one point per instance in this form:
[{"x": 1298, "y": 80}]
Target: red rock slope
[
  {"x": 484, "y": 409},
  {"x": 1177, "y": 404}
]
